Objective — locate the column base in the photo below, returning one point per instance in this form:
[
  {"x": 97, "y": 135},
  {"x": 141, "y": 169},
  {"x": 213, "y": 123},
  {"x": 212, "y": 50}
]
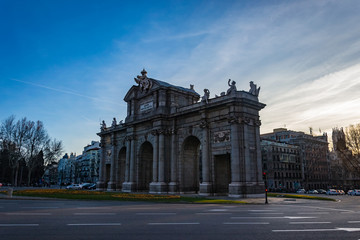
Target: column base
[
  {"x": 205, "y": 189},
  {"x": 173, "y": 188},
  {"x": 100, "y": 186},
  {"x": 246, "y": 189},
  {"x": 129, "y": 187},
  {"x": 158, "y": 187},
  {"x": 111, "y": 186}
]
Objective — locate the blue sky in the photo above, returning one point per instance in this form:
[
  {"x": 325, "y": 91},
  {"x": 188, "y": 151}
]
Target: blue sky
[{"x": 70, "y": 63}]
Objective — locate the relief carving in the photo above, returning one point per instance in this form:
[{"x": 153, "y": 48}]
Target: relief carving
[{"x": 222, "y": 136}]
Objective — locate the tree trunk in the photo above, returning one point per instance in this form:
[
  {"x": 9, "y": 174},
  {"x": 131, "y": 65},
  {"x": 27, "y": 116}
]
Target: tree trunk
[{"x": 16, "y": 174}]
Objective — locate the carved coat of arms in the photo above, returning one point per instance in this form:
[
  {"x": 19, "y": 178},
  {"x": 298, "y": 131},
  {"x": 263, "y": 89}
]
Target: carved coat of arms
[{"x": 144, "y": 82}]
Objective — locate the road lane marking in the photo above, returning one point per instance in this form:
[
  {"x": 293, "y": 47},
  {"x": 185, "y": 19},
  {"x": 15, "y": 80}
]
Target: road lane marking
[
  {"x": 267, "y": 213},
  {"x": 245, "y": 223},
  {"x": 309, "y": 222},
  {"x": 304, "y": 213},
  {"x": 93, "y": 214},
  {"x": 287, "y": 217},
  {"x": 214, "y": 213},
  {"x": 261, "y": 210},
  {"x": 87, "y": 208},
  {"x": 319, "y": 230},
  {"x": 218, "y": 210},
  {"x": 353, "y": 221},
  {"x": 19, "y": 225},
  {"x": 333, "y": 209},
  {"x": 306, "y": 230},
  {"x": 149, "y": 214},
  {"x": 28, "y": 214},
  {"x": 178, "y": 223},
  {"x": 93, "y": 224},
  {"x": 39, "y": 207}
]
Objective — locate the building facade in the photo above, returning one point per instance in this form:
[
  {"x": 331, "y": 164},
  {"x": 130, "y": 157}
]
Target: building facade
[
  {"x": 171, "y": 142},
  {"x": 82, "y": 168},
  {"x": 281, "y": 165},
  {"x": 313, "y": 155}
]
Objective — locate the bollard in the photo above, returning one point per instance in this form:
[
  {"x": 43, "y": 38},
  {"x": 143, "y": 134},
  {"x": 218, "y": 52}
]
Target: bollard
[{"x": 10, "y": 192}]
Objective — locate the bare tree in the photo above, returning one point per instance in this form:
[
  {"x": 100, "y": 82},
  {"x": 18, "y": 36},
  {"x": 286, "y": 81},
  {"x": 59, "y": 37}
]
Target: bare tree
[
  {"x": 53, "y": 151},
  {"x": 36, "y": 142},
  {"x": 347, "y": 147},
  {"x": 27, "y": 141}
]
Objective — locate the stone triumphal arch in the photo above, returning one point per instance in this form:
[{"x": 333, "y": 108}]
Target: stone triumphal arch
[{"x": 175, "y": 141}]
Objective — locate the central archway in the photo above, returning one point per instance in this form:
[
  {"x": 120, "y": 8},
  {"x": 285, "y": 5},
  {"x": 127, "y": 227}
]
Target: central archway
[
  {"x": 145, "y": 166},
  {"x": 191, "y": 164}
]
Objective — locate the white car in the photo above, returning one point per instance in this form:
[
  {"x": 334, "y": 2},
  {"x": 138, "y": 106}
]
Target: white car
[
  {"x": 73, "y": 186},
  {"x": 356, "y": 192},
  {"x": 301, "y": 191},
  {"x": 313, "y": 192},
  {"x": 332, "y": 192}
]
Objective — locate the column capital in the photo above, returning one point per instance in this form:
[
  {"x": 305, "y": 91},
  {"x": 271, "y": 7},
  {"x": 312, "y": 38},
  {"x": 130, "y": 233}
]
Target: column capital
[{"x": 204, "y": 124}]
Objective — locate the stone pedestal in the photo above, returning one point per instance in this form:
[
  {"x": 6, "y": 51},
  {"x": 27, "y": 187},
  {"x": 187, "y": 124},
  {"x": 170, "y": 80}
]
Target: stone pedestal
[
  {"x": 205, "y": 189},
  {"x": 129, "y": 187},
  {"x": 100, "y": 186},
  {"x": 158, "y": 187},
  {"x": 173, "y": 188},
  {"x": 111, "y": 186}
]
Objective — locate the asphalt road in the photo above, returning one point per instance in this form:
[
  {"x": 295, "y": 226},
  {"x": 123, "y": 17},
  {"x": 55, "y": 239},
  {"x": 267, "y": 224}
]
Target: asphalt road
[{"x": 66, "y": 219}]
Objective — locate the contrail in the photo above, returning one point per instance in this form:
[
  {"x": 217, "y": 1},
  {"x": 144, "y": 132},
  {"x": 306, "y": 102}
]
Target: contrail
[{"x": 65, "y": 91}]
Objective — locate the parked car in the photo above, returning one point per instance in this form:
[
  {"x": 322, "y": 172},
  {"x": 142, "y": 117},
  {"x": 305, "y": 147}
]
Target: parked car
[
  {"x": 301, "y": 191},
  {"x": 73, "y": 186},
  {"x": 321, "y": 191},
  {"x": 313, "y": 191},
  {"x": 85, "y": 185},
  {"x": 350, "y": 192},
  {"x": 332, "y": 192},
  {"x": 92, "y": 186},
  {"x": 341, "y": 192},
  {"x": 356, "y": 192}
]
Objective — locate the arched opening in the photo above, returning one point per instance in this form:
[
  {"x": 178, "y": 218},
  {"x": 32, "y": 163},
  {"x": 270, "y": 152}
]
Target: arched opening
[
  {"x": 145, "y": 166},
  {"x": 191, "y": 165},
  {"x": 120, "y": 171}
]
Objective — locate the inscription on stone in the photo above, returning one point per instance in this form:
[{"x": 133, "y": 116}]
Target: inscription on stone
[
  {"x": 222, "y": 136},
  {"x": 146, "y": 106}
]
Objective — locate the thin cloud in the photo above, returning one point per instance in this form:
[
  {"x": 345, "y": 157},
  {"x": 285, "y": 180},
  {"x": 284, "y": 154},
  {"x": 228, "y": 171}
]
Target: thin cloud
[{"x": 66, "y": 92}]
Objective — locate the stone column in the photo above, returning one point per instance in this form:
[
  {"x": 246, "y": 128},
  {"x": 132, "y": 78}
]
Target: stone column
[
  {"x": 235, "y": 185},
  {"x": 155, "y": 156},
  {"x": 155, "y": 171},
  {"x": 173, "y": 185},
  {"x": 258, "y": 152},
  {"x": 205, "y": 185},
  {"x": 100, "y": 185},
  {"x": 132, "y": 161},
  {"x": 127, "y": 163},
  {"x": 161, "y": 186},
  {"x": 112, "y": 184},
  {"x": 129, "y": 184}
]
